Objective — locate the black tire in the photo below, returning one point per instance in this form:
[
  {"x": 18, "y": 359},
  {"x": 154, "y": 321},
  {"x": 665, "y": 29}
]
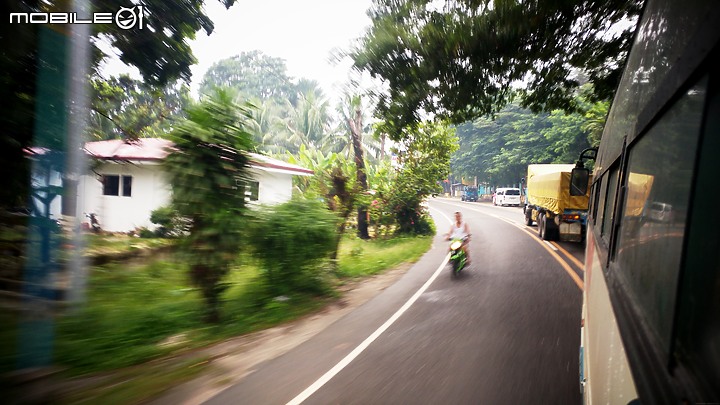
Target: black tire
[
  {"x": 540, "y": 223},
  {"x": 454, "y": 271},
  {"x": 528, "y": 218},
  {"x": 548, "y": 231}
]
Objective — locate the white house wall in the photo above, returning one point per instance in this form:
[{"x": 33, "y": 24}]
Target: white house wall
[
  {"x": 150, "y": 190},
  {"x": 275, "y": 188}
]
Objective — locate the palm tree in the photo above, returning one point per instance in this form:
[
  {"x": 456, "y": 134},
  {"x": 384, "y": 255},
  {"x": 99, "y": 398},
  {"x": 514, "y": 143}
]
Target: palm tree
[{"x": 354, "y": 120}]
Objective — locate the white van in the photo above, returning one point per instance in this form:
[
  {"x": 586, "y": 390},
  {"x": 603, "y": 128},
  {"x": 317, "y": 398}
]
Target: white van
[{"x": 507, "y": 196}]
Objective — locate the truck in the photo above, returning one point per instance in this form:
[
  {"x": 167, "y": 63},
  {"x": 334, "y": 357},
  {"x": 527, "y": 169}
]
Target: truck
[
  {"x": 470, "y": 193},
  {"x": 559, "y": 215}
]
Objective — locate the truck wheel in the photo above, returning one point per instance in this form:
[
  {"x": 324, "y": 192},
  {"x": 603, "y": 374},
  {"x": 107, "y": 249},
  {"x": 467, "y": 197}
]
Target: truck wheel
[
  {"x": 540, "y": 223},
  {"x": 528, "y": 218},
  {"x": 550, "y": 230}
]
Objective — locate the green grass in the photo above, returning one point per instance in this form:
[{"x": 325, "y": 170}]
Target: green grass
[
  {"x": 109, "y": 244},
  {"x": 140, "y": 312},
  {"x": 361, "y": 258}
]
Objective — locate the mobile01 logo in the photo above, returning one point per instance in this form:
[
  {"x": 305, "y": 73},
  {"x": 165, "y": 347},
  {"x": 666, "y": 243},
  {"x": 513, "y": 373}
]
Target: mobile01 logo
[{"x": 126, "y": 18}]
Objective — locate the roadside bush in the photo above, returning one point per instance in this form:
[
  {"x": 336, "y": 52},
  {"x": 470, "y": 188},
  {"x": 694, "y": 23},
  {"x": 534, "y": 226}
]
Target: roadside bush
[
  {"x": 291, "y": 240},
  {"x": 146, "y": 233},
  {"x": 169, "y": 222}
]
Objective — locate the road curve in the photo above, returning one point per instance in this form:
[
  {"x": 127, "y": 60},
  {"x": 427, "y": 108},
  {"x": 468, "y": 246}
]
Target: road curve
[{"x": 506, "y": 331}]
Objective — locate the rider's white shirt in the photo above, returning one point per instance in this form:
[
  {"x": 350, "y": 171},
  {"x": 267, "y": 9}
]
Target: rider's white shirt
[{"x": 458, "y": 232}]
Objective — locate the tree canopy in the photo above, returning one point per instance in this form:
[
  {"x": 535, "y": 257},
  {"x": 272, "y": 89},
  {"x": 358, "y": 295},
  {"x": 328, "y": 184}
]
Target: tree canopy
[
  {"x": 462, "y": 59},
  {"x": 253, "y": 74},
  {"x": 123, "y": 107},
  {"x": 498, "y": 151}
]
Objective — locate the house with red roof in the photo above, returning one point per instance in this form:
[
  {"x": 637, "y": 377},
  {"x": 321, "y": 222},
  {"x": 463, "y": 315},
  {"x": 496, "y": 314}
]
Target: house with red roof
[{"x": 127, "y": 182}]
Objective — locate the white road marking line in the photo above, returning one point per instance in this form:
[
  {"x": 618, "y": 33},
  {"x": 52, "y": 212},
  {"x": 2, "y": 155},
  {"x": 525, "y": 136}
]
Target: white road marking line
[
  {"x": 550, "y": 245},
  {"x": 356, "y": 352}
]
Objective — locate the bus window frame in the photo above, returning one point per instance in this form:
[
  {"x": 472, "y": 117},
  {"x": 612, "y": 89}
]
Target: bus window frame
[
  {"x": 656, "y": 377},
  {"x": 641, "y": 346}
]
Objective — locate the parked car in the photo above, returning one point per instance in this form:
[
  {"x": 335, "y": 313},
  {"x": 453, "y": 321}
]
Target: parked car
[
  {"x": 507, "y": 196},
  {"x": 470, "y": 194}
]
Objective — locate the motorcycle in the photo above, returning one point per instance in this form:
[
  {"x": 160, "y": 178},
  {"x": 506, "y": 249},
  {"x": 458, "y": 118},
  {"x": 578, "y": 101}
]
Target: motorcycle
[
  {"x": 94, "y": 224},
  {"x": 458, "y": 259}
]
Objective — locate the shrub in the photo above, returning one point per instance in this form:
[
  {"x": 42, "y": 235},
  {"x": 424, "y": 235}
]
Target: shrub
[
  {"x": 291, "y": 239},
  {"x": 169, "y": 222},
  {"x": 146, "y": 233}
]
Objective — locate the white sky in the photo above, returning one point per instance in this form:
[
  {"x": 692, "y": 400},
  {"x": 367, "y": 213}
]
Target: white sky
[{"x": 303, "y": 32}]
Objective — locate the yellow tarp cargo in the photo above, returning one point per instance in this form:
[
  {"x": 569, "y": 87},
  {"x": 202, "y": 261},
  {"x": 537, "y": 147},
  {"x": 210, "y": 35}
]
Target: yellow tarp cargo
[
  {"x": 638, "y": 190},
  {"x": 548, "y": 186}
]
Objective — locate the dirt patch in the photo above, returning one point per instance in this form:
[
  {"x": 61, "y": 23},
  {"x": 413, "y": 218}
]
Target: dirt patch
[{"x": 234, "y": 359}]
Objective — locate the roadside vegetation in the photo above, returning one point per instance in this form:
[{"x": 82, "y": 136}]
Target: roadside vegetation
[{"x": 145, "y": 309}]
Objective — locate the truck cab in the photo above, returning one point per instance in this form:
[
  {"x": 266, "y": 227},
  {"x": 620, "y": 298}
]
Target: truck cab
[{"x": 470, "y": 194}]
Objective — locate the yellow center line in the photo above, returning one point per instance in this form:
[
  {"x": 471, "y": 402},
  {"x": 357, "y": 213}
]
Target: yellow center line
[
  {"x": 560, "y": 260},
  {"x": 569, "y": 256},
  {"x": 554, "y": 254}
]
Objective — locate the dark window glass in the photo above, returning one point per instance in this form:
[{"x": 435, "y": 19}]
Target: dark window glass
[
  {"x": 596, "y": 193},
  {"x": 69, "y": 197},
  {"x": 698, "y": 328},
  {"x": 608, "y": 211},
  {"x": 127, "y": 186},
  {"x": 253, "y": 191},
  {"x": 601, "y": 203},
  {"x": 111, "y": 184},
  {"x": 513, "y": 192},
  {"x": 660, "y": 167}
]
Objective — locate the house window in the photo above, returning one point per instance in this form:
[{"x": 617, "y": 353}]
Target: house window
[
  {"x": 127, "y": 186},
  {"x": 252, "y": 189},
  {"x": 112, "y": 184}
]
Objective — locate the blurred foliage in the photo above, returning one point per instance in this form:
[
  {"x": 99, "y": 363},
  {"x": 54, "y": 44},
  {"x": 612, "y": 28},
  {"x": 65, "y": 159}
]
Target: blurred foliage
[
  {"x": 125, "y": 108},
  {"x": 289, "y": 114},
  {"x": 498, "y": 151},
  {"x": 144, "y": 309},
  {"x": 461, "y": 59},
  {"x": 207, "y": 164},
  {"x": 290, "y": 246},
  {"x": 333, "y": 183},
  {"x": 381, "y": 179},
  {"x": 424, "y": 158},
  {"x": 170, "y": 222}
]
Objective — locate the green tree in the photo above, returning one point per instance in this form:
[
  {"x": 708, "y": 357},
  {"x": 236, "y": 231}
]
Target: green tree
[
  {"x": 253, "y": 74},
  {"x": 123, "y": 107},
  {"x": 424, "y": 158},
  {"x": 333, "y": 182},
  {"x": 290, "y": 245},
  {"x": 355, "y": 125},
  {"x": 498, "y": 151},
  {"x": 595, "y": 122},
  {"x": 208, "y": 162},
  {"x": 460, "y": 58}
]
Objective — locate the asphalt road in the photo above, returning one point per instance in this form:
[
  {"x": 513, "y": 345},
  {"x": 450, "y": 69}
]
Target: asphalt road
[{"x": 505, "y": 332}]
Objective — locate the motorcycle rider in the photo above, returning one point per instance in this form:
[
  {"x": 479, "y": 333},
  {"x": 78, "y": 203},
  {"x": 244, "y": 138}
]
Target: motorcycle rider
[{"x": 459, "y": 230}]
